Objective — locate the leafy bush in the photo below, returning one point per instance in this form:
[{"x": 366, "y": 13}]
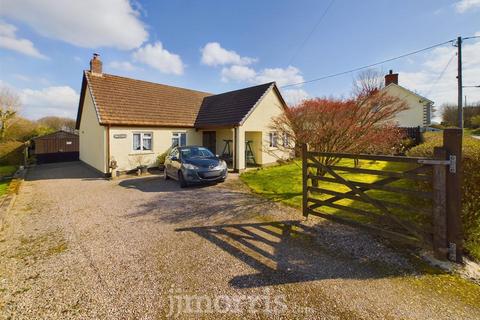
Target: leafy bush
[
  {"x": 476, "y": 132},
  {"x": 470, "y": 185},
  {"x": 11, "y": 153},
  {"x": 161, "y": 157},
  {"x": 476, "y": 121}
]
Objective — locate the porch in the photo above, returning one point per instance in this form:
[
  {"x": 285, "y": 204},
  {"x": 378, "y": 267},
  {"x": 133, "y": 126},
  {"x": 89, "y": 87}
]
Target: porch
[{"x": 240, "y": 149}]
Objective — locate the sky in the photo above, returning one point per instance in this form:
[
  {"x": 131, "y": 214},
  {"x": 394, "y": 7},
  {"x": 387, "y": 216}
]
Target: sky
[{"x": 218, "y": 46}]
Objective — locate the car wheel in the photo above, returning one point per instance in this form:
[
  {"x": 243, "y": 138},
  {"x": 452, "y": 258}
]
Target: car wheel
[
  {"x": 165, "y": 175},
  {"x": 181, "y": 179}
]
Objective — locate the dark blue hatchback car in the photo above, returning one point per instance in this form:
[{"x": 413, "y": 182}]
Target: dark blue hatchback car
[{"x": 194, "y": 164}]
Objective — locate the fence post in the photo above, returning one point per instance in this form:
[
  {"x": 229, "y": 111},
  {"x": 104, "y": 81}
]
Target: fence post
[
  {"x": 304, "y": 180},
  {"x": 440, "y": 248},
  {"x": 452, "y": 142}
]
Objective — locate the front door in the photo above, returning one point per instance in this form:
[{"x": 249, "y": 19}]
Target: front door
[{"x": 210, "y": 141}]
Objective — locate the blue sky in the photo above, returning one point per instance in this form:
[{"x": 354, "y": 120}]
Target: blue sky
[{"x": 217, "y": 46}]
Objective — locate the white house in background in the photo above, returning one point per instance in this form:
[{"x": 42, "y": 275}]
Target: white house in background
[
  {"x": 132, "y": 121},
  {"x": 419, "y": 111}
]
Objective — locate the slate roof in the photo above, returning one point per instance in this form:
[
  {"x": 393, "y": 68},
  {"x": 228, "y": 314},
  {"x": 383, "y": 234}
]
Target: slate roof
[
  {"x": 130, "y": 102},
  {"x": 230, "y": 108}
]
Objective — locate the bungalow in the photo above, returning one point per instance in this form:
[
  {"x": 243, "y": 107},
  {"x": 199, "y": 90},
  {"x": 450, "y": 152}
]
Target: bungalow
[
  {"x": 419, "y": 110},
  {"x": 131, "y": 121}
]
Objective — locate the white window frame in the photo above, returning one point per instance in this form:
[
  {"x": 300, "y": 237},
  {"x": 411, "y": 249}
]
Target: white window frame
[
  {"x": 273, "y": 139},
  {"x": 285, "y": 140},
  {"x": 142, "y": 149},
  {"x": 178, "y": 135}
]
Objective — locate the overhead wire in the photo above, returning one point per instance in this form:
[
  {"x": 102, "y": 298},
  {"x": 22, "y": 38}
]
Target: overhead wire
[
  {"x": 441, "y": 74},
  {"x": 309, "y": 35},
  {"x": 369, "y": 65}
]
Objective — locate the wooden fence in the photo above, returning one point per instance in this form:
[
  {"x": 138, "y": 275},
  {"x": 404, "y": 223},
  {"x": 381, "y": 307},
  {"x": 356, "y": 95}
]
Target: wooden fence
[
  {"x": 429, "y": 214},
  {"x": 413, "y": 133}
]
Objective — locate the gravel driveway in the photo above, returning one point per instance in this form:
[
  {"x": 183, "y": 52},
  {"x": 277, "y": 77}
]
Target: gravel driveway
[{"x": 76, "y": 246}]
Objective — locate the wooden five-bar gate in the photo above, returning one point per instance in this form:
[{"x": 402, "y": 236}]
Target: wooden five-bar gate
[{"x": 428, "y": 213}]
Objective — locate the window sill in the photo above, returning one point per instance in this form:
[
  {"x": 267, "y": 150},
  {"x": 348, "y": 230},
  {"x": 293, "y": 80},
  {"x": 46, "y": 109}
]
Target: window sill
[{"x": 136, "y": 153}]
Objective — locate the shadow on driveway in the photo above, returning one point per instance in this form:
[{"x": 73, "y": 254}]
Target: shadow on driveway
[
  {"x": 157, "y": 184},
  {"x": 194, "y": 204},
  {"x": 63, "y": 170},
  {"x": 286, "y": 252}
]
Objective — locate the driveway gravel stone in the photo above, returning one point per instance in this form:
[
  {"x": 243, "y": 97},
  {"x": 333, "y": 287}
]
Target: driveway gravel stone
[{"x": 76, "y": 246}]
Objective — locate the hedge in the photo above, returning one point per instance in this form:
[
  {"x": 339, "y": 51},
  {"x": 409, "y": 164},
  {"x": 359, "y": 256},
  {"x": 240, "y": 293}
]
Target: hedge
[
  {"x": 11, "y": 153},
  {"x": 470, "y": 185}
]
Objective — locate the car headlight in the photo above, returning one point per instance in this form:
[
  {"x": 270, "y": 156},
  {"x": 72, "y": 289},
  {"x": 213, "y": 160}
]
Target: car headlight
[
  {"x": 222, "y": 165},
  {"x": 190, "y": 166}
]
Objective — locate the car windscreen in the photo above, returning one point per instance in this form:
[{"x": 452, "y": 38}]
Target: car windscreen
[{"x": 197, "y": 152}]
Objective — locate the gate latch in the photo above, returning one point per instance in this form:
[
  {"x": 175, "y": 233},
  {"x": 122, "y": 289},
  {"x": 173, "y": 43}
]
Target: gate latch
[{"x": 451, "y": 163}]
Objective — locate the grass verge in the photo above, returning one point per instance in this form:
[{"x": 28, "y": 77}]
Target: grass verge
[
  {"x": 4, "y": 187},
  {"x": 284, "y": 183}
]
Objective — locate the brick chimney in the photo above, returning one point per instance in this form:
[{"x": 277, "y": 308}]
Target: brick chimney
[
  {"x": 391, "y": 78},
  {"x": 96, "y": 64}
]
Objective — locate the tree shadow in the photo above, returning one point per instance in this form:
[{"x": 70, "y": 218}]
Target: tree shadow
[
  {"x": 200, "y": 203},
  {"x": 285, "y": 252},
  {"x": 157, "y": 184},
  {"x": 63, "y": 170}
]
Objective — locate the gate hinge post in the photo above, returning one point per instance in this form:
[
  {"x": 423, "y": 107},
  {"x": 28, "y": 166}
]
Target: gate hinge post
[{"x": 453, "y": 163}]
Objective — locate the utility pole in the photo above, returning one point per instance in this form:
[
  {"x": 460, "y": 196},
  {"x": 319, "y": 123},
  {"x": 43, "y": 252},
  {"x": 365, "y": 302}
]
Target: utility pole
[{"x": 460, "y": 85}]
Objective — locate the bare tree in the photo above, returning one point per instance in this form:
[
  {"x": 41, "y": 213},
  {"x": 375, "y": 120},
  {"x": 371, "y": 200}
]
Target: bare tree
[
  {"x": 9, "y": 106},
  {"x": 367, "y": 82},
  {"x": 58, "y": 123}
]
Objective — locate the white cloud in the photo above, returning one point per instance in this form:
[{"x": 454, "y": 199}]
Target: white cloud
[
  {"x": 282, "y": 76},
  {"x": 465, "y": 5},
  {"x": 122, "y": 65},
  {"x": 238, "y": 73},
  {"x": 159, "y": 58},
  {"x": 51, "y": 101},
  {"x": 21, "y": 77},
  {"x": 289, "y": 75},
  {"x": 8, "y": 40},
  {"x": 294, "y": 96},
  {"x": 425, "y": 80},
  {"x": 213, "y": 55},
  {"x": 86, "y": 23}
]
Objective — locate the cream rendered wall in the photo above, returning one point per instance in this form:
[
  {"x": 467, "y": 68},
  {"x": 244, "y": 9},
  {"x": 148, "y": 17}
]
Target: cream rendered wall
[
  {"x": 413, "y": 117},
  {"x": 259, "y": 121},
  {"x": 92, "y": 136},
  {"x": 257, "y": 148},
  {"x": 221, "y": 135},
  {"x": 121, "y": 149}
]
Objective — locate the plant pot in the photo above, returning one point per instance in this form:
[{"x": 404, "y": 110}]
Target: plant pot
[
  {"x": 142, "y": 169},
  {"x": 161, "y": 167}
]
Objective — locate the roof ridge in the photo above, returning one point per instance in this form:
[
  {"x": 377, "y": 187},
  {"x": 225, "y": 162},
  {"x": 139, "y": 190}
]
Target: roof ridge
[
  {"x": 146, "y": 81},
  {"x": 410, "y": 91},
  {"x": 246, "y": 88}
]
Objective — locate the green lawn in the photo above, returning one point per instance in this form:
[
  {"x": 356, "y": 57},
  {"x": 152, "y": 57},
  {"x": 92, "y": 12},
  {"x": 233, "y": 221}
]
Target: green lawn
[
  {"x": 284, "y": 183},
  {"x": 472, "y": 132},
  {"x": 3, "y": 187},
  {"x": 6, "y": 171}
]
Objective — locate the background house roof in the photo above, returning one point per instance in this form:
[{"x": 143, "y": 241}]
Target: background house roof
[
  {"x": 130, "y": 102},
  {"x": 409, "y": 91},
  {"x": 59, "y": 133}
]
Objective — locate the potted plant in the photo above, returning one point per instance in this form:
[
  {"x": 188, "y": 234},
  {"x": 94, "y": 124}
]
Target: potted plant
[
  {"x": 161, "y": 159},
  {"x": 141, "y": 164}
]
